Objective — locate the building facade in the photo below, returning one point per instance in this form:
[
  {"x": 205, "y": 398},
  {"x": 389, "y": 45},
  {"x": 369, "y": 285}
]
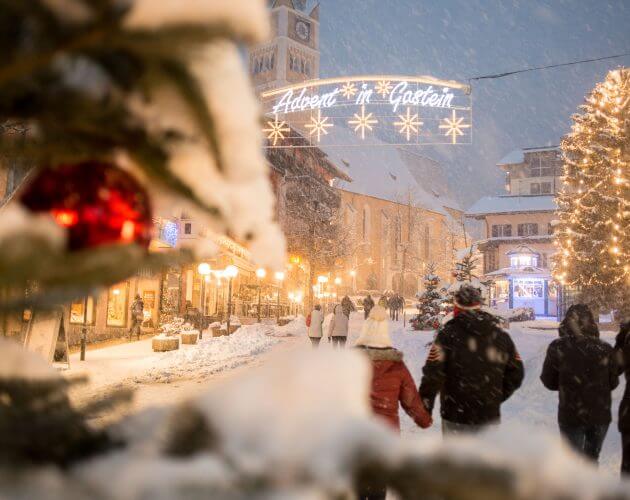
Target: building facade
[{"x": 518, "y": 245}]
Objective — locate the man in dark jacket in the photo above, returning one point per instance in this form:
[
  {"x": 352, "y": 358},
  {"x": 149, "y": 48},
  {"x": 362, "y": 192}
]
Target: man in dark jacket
[
  {"x": 473, "y": 364},
  {"x": 622, "y": 348},
  {"x": 368, "y": 304},
  {"x": 583, "y": 369},
  {"x": 347, "y": 306},
  {"x": 137, "y": 316}
]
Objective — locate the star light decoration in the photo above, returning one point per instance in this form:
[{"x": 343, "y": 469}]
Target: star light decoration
[
  {"x": 363, "y": 122},
  {"x": 454, "y": 126},
  {"x": 276, "y": 130},
  {"x": 318, "y": 125},
  {"x": 384, "y": 87},
  {"x": 349, "y": 90},
  {"x": 409, "y": 123}
]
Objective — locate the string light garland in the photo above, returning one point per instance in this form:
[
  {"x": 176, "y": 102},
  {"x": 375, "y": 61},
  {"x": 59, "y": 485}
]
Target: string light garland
[{"x": 593, "y": 234}]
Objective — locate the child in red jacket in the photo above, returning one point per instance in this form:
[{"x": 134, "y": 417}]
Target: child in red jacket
[{"x": 391, "y": 384}]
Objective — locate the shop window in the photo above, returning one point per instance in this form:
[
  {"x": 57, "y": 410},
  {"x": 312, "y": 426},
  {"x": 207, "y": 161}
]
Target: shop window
[
  {"x": 77, "y": 312},
  {"x": 528, "y": 229},
  {"x": 528, "y": 288},
  {"x": 501, "y": 230},
  {"x": 117, "y": 305}
]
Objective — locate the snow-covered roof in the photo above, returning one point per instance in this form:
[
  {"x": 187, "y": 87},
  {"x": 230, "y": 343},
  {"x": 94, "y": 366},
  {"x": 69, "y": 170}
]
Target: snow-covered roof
[
  {"x": 533, "y": 272},
  {"x": 378, "y": 171},
  {"x": 512, "y": 204},
  {"x": 518, "y": 155}
]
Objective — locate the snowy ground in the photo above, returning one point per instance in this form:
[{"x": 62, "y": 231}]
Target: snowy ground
[{"x": 167, "y": 378}]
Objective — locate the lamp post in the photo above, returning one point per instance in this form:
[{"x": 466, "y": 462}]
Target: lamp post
[
  {"x": 279, "y": 277},
  {"x": 337, "y": 283},
  {"x": 291, "y": 301},
  {"x": 322, "y": 280},
  {"x": 353, "y": 274},
  {"x": 204, "y": 270},
  {"x": 260, "y": 274},
  {"x": 230, "y": 272}
]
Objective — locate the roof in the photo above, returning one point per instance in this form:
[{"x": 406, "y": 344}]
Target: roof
[
  {"x": 518, "y": 155},
  {"x": 512, "y": 204},
  {"x": 533, "y": 272},
  {"x": 378, "y": 171}
]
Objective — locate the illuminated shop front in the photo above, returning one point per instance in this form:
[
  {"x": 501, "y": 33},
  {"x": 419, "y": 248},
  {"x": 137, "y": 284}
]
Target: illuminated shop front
[{"x": 524, "y": 284}]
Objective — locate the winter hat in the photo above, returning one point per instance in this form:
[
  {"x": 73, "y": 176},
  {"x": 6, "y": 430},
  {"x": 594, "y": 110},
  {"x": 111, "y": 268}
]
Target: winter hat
[
  {"x": 375, "y": 331},
  {"x": 468, "y": 298}
]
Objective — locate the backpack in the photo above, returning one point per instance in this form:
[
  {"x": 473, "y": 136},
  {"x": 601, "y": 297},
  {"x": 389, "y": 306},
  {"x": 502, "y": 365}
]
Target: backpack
[{"x": 308, "y": 320}]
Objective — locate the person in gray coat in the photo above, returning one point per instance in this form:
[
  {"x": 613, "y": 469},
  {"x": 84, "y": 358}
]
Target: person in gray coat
[{"x": 338, "y": 327}]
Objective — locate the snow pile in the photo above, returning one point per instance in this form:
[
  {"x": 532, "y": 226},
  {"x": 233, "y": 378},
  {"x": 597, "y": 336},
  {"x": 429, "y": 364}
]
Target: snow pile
[
  {"x": 295, "y": 328},
  {"x": 300, "y": 427},
  {"x": 210, "y": 355},
  {"x": 518, "y": 314},
  {"x": 18, "y": 363},
  {"x": 29, "y": 229}
]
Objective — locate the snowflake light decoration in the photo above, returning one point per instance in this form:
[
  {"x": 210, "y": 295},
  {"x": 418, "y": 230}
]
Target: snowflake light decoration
[
  {"x": 363, "y": 122},
  {"x": 384, "y": 87},
  {"x": 276, "y": 130},
  {"x": 454, "y": 126},
  {"x": 318, "y": 125},
  {"x": 349, "y": 90},
  {"x": 409, "y": 123}
]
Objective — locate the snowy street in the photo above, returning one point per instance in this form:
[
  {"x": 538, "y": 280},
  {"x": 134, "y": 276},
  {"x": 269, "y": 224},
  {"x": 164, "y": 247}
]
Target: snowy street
[{"x": 162, "y": 379}]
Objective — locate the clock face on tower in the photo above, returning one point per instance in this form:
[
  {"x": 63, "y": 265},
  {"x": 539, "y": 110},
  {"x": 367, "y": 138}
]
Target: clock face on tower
[{"x": 302, "y": 30}]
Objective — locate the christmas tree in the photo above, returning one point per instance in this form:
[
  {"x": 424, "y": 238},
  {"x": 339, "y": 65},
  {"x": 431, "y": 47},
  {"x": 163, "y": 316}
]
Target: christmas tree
[
  {"x": 122, "y": 111},
  {"x": 430, "y": 303},
  {"x": 594, "y": 222}
]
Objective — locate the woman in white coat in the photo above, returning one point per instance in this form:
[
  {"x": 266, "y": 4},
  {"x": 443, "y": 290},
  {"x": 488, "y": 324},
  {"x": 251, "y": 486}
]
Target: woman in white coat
[
  {"x": 315, "y": 329},
  {"x": 338, "y": 327}
]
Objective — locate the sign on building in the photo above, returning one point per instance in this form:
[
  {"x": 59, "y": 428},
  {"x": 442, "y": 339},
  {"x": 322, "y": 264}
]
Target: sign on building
[{"x": 377, "y": 110}]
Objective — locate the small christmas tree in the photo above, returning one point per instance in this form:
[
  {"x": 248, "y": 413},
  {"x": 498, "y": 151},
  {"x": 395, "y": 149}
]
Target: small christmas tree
[
  {"x": 464, "y": 274},
  {"x": 594, "y": 221},
  {"x": 430, "y": 303}
]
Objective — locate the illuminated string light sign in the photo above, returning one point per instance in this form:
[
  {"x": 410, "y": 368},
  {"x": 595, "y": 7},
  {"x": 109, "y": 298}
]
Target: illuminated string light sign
[{"x": 370, "y": 110}]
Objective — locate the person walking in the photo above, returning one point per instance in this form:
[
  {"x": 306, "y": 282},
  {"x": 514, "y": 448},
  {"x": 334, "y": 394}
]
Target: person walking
[
  {"x": 473, "y": 364},
  {"x": 392, "y": 304},
  {"x": 584, "y": 371},
  {"x": 392, "y": 385},
  {"x": 368, "y": 304},
  {"x": 315, "y": 321},
  {"x": 347, "y": 306},
  {"x": 622, "y": 348},
  {"x": 338, "y": 327},
  {"x": 137, "y": 316}
]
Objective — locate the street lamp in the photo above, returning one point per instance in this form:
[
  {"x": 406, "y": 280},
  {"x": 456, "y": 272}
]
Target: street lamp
[
  {"x": 291, "y": 301},
  {"x": 321, "y": 279},
  {"x": 204, "y": 270},
  {"x": 353, "y": 273},
  {"x": 337, "y": 283},
  {"x": 260, "y": 274},
  {"x": 230, "y": 272},
  {"x": 279, "y": 277}
]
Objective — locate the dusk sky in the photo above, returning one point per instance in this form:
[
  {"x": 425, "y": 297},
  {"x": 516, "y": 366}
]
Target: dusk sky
[{"x": 458, "y": 39}]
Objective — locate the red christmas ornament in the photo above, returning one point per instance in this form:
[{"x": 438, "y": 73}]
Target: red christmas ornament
[{"x": 97, "y": 202}]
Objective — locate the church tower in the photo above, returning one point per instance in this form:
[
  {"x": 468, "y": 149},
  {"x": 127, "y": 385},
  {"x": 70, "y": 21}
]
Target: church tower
[{"x": 292, "y": 54}]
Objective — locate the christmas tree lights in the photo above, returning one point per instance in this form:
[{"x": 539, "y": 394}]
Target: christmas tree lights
[{"x": 592, "y": 236}]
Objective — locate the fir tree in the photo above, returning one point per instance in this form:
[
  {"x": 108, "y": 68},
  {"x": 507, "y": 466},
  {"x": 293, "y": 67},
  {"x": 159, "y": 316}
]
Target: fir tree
[
  {"x": 430, "y": 302},
  {"x": 592, "y": 236}
]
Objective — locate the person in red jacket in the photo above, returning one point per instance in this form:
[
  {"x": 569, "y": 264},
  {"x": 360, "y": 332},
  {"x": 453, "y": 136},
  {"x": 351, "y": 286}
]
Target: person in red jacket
[{"x": 392, "y": 384}]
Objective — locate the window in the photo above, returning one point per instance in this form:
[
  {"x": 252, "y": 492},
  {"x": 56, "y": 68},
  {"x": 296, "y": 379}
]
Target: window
[
  {"x": 550, "y": 228},
  {"x": 524, "y": 260},
  {"x": 117, "y": 305},
  {"x": 528, "y": 229},
  {"x": 366, "y": 223},
  {"x": 188, "y": 228},
  {"x": 534, "y": 188},
  {"x": 490, "y": 260},
  {"x": 501, "y": 230},
  {"x": 77, "y": 312},
  {"x": 528, "y": 288},
  {"x": 427, "y": 246},
  {"x": 545, "y": 187},
  {"x": 544, "y": 260}
]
